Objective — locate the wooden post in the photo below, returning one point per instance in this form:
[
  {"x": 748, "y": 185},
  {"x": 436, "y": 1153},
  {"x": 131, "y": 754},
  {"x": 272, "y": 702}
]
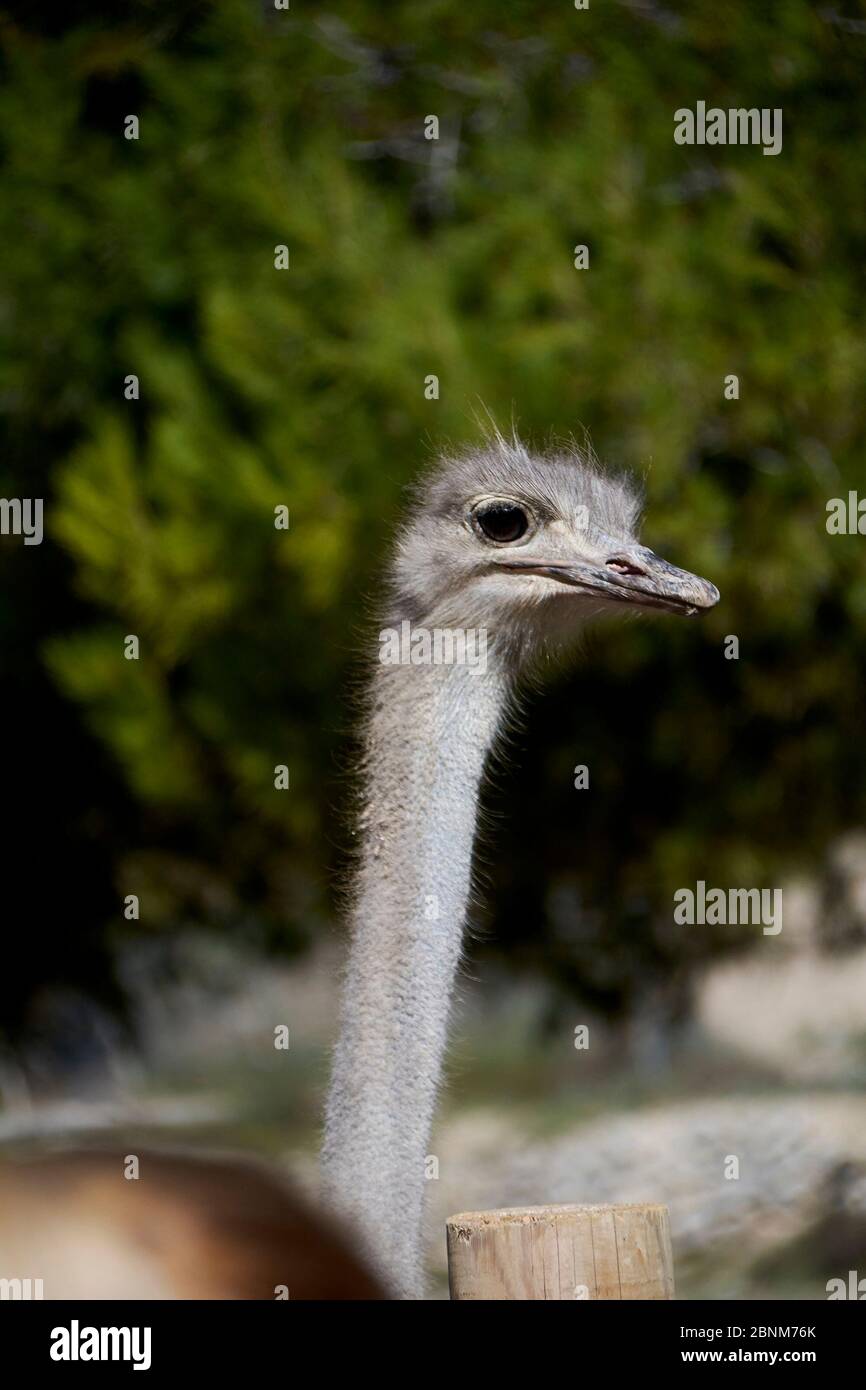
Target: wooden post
[{"x": 573, "y": 1252}]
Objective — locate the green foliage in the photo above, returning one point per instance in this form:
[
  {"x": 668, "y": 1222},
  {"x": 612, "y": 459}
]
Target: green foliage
[{"x": 305, "y": 387}]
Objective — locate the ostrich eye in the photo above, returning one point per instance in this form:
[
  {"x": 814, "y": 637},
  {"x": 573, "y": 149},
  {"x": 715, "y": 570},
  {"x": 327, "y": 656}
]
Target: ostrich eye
[{"x": 502, "y": 521}]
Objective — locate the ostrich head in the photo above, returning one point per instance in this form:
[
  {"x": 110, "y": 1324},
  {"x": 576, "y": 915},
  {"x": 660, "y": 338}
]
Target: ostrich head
[{"x": 530, "y": 547}]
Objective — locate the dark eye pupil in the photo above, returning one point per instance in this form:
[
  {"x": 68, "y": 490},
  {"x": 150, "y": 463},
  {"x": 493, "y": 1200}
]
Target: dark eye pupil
[{"x": 503, "y": 522}]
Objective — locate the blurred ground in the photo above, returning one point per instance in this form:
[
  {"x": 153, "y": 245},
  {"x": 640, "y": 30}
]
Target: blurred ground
[{"x": 770, "y": 1073}]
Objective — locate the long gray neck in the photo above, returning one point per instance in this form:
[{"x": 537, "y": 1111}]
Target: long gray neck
[{"x": 430, "y": 730}]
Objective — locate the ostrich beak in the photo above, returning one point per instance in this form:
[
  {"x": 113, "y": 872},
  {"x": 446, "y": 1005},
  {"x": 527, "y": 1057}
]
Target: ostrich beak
[
  {"x": 631, "y": 575},
  {"x": 642, "y": 577}
]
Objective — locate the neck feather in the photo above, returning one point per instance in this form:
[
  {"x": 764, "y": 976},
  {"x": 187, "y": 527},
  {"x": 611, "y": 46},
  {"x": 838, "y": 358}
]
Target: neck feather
[{"x": 429, "y": 732}]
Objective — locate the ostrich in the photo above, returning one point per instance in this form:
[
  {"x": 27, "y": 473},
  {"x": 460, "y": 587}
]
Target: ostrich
[{"x": 526, "y": 549}]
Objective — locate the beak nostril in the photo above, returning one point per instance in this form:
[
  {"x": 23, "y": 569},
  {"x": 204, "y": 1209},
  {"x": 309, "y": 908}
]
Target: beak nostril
[{"x": 621, "y": 566}]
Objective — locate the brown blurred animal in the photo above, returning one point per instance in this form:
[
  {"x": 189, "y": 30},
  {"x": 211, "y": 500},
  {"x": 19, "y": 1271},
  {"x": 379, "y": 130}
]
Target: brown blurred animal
[{"x": 190, "y": 1226}]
